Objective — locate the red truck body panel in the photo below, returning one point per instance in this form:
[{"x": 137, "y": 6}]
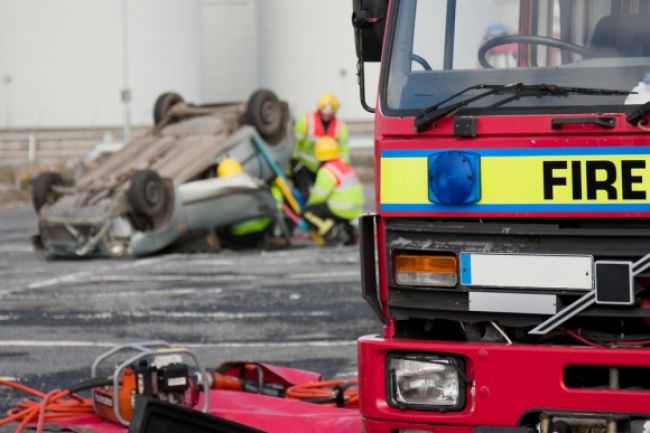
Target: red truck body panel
[{"x": 509, "y": 381}]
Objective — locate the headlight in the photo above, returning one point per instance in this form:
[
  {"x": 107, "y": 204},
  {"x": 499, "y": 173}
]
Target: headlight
[{"x": 426, "y": 382}]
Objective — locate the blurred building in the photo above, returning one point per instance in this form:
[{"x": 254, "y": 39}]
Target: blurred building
[{"x": 65, "y": 63}]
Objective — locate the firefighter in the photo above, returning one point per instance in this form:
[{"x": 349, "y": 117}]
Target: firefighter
[
  {"x": 337, "y": 195},
  {"x": 253, "y": 233},
  {"x": 308, "y": 128}
]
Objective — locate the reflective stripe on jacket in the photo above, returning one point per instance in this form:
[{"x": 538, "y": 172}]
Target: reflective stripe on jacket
[
  {"x": 251, "y": 226},
  {"x": 338, "y": 186},
  {"x": 308, "y": 128},
  {"x": 256, "y": 225}
]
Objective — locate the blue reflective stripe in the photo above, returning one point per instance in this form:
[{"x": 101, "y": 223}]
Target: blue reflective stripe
[
  {"x": 514, "y": 208},
  {"x": 550, "y": 151},
  {"x": 407, "y": 153},
  {"x": 465, "y": 269}
]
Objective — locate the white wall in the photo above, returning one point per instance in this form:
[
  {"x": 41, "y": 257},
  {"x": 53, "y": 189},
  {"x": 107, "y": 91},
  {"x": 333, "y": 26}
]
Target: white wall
[
  {"x": 66, "y": 64},
  {"x": 65, "y": 59},
  {"x": 164, "y": 44},
  {"x": 229, "y": 53},
  {"x": 307, "y": 48}
]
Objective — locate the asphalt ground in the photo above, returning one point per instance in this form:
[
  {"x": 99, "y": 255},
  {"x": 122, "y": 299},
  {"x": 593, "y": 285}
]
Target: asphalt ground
[{"x": 297, "y": 307}]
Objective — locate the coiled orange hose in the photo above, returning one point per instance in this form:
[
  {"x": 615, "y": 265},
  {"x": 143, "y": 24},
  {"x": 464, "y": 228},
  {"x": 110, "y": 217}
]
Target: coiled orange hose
[{"x": 57, "y": 405}]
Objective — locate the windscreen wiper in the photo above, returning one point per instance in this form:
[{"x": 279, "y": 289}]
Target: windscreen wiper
[
  {"x": 635, "y": 117},
  {"x": 517, "y": 90},
  {"x": 436, "y": 111}
]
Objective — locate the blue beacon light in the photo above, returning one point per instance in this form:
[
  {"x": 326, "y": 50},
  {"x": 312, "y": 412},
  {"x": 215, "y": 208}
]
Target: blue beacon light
[{"x": 454, "y": 178}]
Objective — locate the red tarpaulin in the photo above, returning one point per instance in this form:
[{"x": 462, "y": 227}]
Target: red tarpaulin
[{"x": 271, "y": 414}]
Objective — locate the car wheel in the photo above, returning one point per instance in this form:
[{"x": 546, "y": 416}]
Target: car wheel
[
  {"x": 42, "y": 191},
  {"x": 264, "y": 112},
  {"x": 139, "y": 223},
  {"x": 163, "y": 104},
  {"x": 146, "y": 194}
]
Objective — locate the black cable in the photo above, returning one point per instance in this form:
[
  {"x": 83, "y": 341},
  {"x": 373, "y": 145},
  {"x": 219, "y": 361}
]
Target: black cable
[{"x": 91, "y": 383}]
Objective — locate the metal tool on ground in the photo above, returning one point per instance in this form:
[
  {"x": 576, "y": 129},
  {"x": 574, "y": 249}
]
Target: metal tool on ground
[
  {"x": 275, "y": 381},
  {"x": 157, "y": 370},
  {"x": 257, "y": 385},
  {"x": 280, "y": 180}
]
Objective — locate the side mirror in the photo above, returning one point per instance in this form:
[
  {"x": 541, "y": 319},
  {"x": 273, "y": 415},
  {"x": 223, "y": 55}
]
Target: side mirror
[{"x": 369, "y": 22}]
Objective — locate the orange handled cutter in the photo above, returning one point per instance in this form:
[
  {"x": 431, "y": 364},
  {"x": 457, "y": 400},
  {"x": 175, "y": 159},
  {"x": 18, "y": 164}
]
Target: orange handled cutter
[{"x": 156, "y": 370}]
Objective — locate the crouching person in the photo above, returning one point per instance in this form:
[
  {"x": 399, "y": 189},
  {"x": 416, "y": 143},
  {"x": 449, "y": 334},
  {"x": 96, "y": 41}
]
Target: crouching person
[
  {"x": 252, "y": 233},
  {"x": 336, "y": 197}
]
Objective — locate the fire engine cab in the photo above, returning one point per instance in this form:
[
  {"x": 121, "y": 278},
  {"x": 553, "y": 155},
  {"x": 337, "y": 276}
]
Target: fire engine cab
[{"x": 509, "y": 255}]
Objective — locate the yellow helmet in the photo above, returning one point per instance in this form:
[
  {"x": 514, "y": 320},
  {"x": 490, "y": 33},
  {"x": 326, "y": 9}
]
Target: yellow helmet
[
  {"x": 330, "y": 100},
  {"x": 327, "y": 149},
  {"x": 229, "y": 167}
]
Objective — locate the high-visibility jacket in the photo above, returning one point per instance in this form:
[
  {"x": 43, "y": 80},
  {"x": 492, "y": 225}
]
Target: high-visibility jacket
[
  {"x": 308, "y": 128},
  {"x": 248, "y": 227},
  {"x": 338, "y": 186},
  {"x": 257, "y": 225}
]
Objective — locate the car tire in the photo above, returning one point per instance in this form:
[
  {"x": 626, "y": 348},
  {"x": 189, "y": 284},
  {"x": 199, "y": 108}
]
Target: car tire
[
  {"x": 139, "y": 223},
  {"x": 146, "y": 194},
  {"x": 264, "y": 112},
  {"x": 163, "y": 104},
  {"x": 42, "y": 192}
]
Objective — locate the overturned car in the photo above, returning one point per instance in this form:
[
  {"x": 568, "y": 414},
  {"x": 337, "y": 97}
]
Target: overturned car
[{"x": 161, "y": 187}]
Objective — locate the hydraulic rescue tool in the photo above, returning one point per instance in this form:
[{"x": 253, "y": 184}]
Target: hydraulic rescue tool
[
  {"x": 157, "y": 370},
  {"x": 242, "y": 381}
]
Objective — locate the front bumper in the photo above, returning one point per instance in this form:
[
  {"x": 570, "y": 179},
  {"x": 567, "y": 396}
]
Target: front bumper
[
  {"x": 601, "y": 240},
  {"x": 510, "y": 383}
]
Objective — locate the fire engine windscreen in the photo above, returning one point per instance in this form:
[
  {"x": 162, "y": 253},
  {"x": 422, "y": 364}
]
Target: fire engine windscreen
[{"x": 438, "y": 47}]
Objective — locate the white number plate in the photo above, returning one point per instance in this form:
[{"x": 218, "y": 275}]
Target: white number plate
[{"x": 563, "y": 272}]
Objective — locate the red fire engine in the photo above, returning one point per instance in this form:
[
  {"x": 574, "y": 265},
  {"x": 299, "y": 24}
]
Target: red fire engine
[{"x": 509, "y": 256}]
